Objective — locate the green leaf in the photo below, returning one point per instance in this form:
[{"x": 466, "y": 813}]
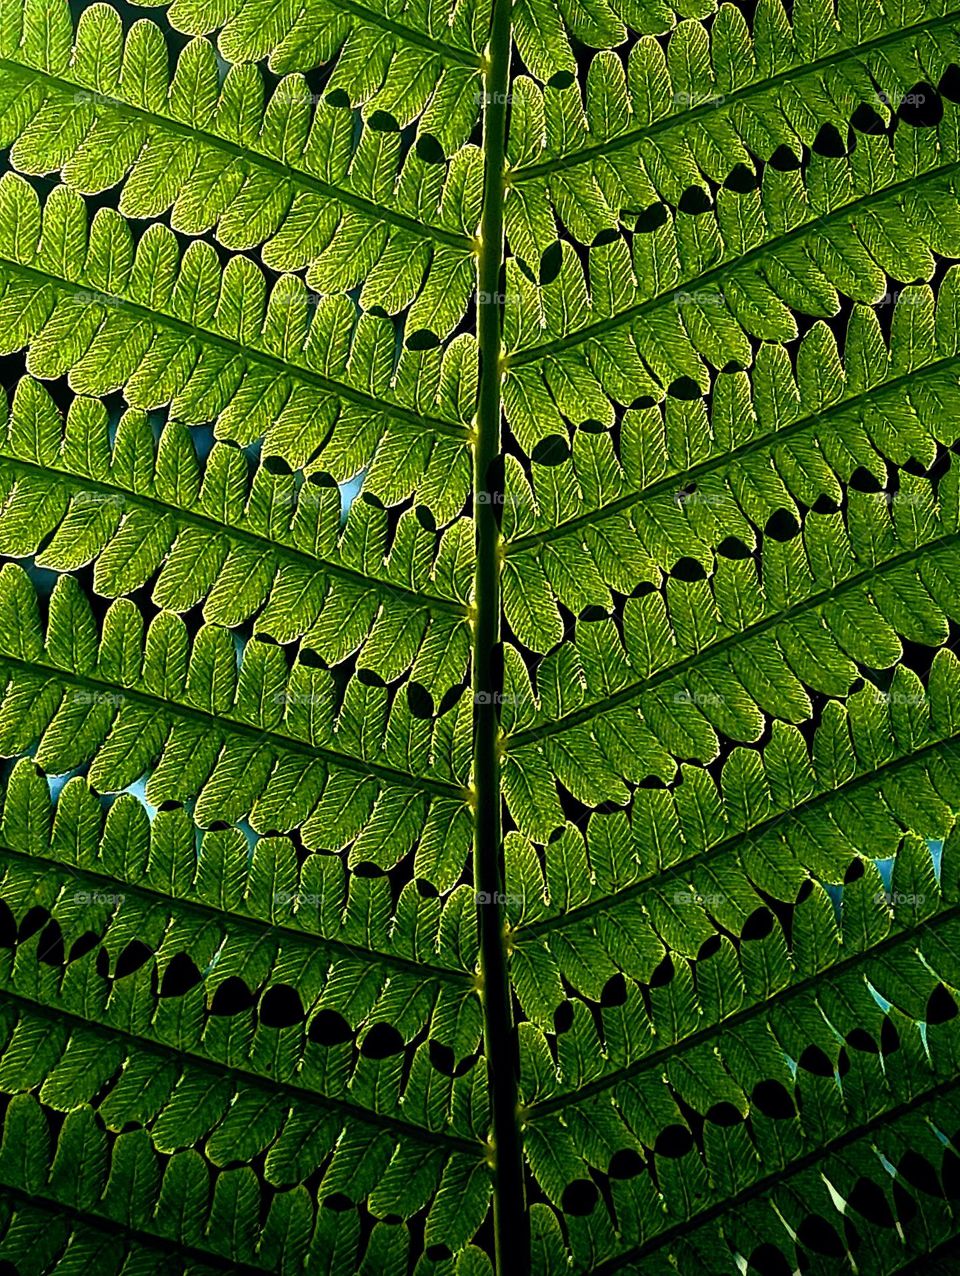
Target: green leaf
[{"x": 480, "y": 537}]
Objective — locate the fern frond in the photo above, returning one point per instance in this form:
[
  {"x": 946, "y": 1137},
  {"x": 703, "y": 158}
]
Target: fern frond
[
  {"x": 685, "y": 481},
  {"x": 727, "y": 654},
  {"x": 264, "y": 545},
  {"x": 255, "y": 901},
  {"x": 127, "y": 701},
  {"x": 717, "y": 97},
  {"x": 370, "y": 66},
  {"x": 690, "y": 836},
  {"x": 179, "y": 331},
  {"x": 479, "y": 562},
  {"x": 750, "y": 1030},
  {"x": 214, "y": 1029},
  {"x": 285, "y": 173},
  {"x": 699, "y": 283}
]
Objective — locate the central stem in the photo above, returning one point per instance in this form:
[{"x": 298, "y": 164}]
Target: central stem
[{"x": 500, "y": 1035}]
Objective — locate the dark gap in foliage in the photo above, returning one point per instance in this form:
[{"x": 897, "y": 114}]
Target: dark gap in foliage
[
  {"x": 135, "y": 955},
  {"x": 920, "y": 106},
  {"x": 50, "y": 948},
  {"x": 443, "y": 1059},
  {"x": 8, "y": 926},
  {"x": 98, "y": 604},
  {"x": 866, "y": 120},
  {"x": 950, "y": 1174},
  {"x": 767, "y": 1260},
  {"x": 920, "y": 1174},
  {"x": 180, "y": 976},
  {"x": 583, "y": 56},
  {"x": 579, "y": 1198},
  {"x": 381, "y": 1041},
  {"x": 714, "y": 767},
  {"x": 773, "y": 1100},
  {"x": 867, "y": 1198},
  {"x": 231, "y": 998},
  {"x": 54, "y": 1122},
  {"x": 941, "y": 1006},
  {"x": 837, "y": 323},
  {"x": 13, "y": 368},
  {"x": 675, "y": 1141},
  {"x": 695, "y": 201},
  {"x": 817, "y": 1234},
  {"x": 919, "y": 657},
  {"x": 860, "y": 1040},
  {"x": 329, "y": 1028},
  {"x": 32, "y": 922},
  {"x": 830, "y": 144},
  {"x": 281, "y": 1007}
]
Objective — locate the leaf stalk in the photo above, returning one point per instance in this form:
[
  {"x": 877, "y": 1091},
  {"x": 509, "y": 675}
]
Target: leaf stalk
[{"x": 511, "y": 1229}]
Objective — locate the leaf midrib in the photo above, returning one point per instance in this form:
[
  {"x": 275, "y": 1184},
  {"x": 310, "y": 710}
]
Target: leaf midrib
[
  {"x": 220, "y": 722},
  {"x": 191, "y": 904},
  {"x": 731, "y": 1022},
  {"x": 769, "y": 247},
  {"x": 456, "y": 52},
  {"x": 732, "y": 640},
  {"x": 572, "y": 158},
  {"x": 511, "y": 1226},
  {"x": 205, "y": 522},
  {"x": 382, "y": 407},
  {"x": 762, "y": 1186},
  {"x": 206, "y": 1063},
  {"x": 143, "y": 1238},
  {"x": 279, "y": 169},
  {"x": 683, "y": 867},
  {"x": 679, "y": 478}
]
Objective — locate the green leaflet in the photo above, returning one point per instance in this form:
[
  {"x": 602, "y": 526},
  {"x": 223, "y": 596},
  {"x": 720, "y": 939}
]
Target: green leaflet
[{"x": 479, "y": 562}]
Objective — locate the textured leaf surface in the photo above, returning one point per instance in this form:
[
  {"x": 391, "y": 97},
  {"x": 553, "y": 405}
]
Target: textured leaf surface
[{"x": 479, "y": 577}]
